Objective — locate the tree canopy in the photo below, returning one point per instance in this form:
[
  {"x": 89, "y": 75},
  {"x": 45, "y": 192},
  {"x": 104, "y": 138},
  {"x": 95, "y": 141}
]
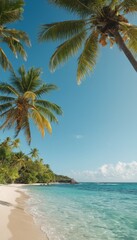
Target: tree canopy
[
  {"x": 21, "y": 101},
  {"x": 18, "y": 167},
  {"x": 98, "y": 22},
  {"x": 10, "y": 12}
]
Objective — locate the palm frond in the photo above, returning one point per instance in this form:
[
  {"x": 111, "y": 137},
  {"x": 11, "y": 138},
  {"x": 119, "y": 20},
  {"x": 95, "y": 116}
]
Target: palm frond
[
  {"x": 5, "y": 124},
  {"x": 113, "y": 4},
  {"x": 47, "y": 113},
  {"x": 32, "y": 79},
  {"x": 15, "y": 45},
  {"x": 37, "y": 118},
  {"x": 132, "y": 41},
  {"x": 83, "y": 8},
  {"x": 76, "y": 6},
  {"x": 4, "y": 114},
  {"x": 131, "y": 34},
  {"x": 16, "y": 82},
  {"x": 4, "y": 62},
  {"x": 45, "y": 88},
  {"x": 19, "y": 49},
  {"x": 97, "y": 5},
  {"x": 10, "y": 11},
  {"x": 7, "y": 88},
  {"x": 129, "y": 6},
  {"x": 22, "y": 73},
  {"x": 5, "y": 106},
  {"x": 61, "y": 30},
  {"x": 26, "y": 81},
  {"x": 52, "y": 106},
  {"x": 87, "y": 59},
  {"x": 16, "y": 34},
  {"x": 46, "y": 124},
  {"x": 6, "y": 99},
  {"x": 67, "y": 49},
  {"x": 10, "y": 118}
]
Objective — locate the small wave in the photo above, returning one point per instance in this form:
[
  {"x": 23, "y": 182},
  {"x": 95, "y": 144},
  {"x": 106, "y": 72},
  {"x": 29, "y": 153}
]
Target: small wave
[{"x": 72, "y": 213}]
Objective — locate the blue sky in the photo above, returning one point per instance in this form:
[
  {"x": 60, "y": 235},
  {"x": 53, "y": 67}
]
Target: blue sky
[{"x": 96, "y": 138}]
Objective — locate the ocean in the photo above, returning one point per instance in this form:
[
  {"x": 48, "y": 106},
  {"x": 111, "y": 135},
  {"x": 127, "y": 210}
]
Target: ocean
[{"x": 85, "y": 211}]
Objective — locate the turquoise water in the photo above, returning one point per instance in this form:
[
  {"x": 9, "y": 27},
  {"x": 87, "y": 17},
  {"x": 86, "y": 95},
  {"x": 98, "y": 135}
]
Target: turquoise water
[{"x": 86, "y": 211}]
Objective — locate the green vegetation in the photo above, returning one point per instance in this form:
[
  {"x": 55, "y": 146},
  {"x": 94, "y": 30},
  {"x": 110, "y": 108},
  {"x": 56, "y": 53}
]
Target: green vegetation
[
  {"x": 99, "y": 22},
  {"x": 11, "y": 11},
  {"x": 21, "y": 101},
  {"x": 18, "y": 167}
]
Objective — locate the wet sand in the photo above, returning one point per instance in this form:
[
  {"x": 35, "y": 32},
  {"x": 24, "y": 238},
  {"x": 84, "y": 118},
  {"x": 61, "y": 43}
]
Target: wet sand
[{"x": 15, "y": 222}]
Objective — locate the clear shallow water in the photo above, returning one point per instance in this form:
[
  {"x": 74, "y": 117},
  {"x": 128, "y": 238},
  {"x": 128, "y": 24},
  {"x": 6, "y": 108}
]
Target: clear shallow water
[{"x": 86, "y": 211}]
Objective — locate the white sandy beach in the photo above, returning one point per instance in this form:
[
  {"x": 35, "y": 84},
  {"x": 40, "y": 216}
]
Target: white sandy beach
[{"x": 15, "y": 223}]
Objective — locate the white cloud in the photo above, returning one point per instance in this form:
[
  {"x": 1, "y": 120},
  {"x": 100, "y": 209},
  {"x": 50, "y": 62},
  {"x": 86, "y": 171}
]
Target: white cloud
[
  {"x": 119, "y": 172},
  {"x": 78, "y": 136}
]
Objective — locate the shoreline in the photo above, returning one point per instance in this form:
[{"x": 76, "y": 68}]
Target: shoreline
[{"x": 16, "y": 223}]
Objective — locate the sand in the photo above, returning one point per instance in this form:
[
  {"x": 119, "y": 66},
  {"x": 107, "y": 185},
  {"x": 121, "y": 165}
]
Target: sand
[{"x": 15, "y": 222}]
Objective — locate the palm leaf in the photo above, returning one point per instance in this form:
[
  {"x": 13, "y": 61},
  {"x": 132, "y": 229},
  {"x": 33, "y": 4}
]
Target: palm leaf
[
  {"x": 19, "y": 49},
  {"x": 132, "y": 40},
  {"x": 22, "y": 73},
  {"x": 32, "y": 79},
  {"x": 52, "y": 106},
  {"x": 76, "y": 6},
  {"x": 67, "y": 49},
  {"x": 46, "y": 124},
  {"x": 87, "y": 59},
  {"x": 131, "y": 32},
  {"x": 6, "y": 99},
  {"x": 37, "y": 118},
  {"x": 4, "y": 114},
  {"x": 4, "y": 62},
  {"x": 40, "y": 121},
  {"x": 26, "y": 81},
  {"x": 7, "y": 88},
  {"x": 16, "y": 82},
  {"x": 113, "y": 4},
  {"x": 4, "y": 125},
  {"x": 10, "y": 118},
  {"x": 47, "y": 113},
  {"x": 17, "y": 34},
  {"x": 10, "y": 11},
  {"x": 15, "y": 45},
  {"x": 83, "y": 8},
  {"x": 97, "y": 5},
  {"x": 129, "y": 6},
  {"x": 61, "y": 30},
  {"x": 45, "y": 88},
  {"x": 5, "y": 106}
]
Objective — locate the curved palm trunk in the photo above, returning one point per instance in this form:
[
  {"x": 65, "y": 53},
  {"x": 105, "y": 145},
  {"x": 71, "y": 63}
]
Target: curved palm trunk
[{"x": 126, "y": 51}]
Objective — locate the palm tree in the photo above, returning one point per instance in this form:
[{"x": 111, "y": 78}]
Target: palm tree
[
  {"x": 8, "y": 143},
  {"x": 11, "y": 11},
  {"x": 21, "y": 101},
  {"x": 15, "y": 143},
  {"x": 34, "y": 153},
  {"x": 100, "y": 22}
]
